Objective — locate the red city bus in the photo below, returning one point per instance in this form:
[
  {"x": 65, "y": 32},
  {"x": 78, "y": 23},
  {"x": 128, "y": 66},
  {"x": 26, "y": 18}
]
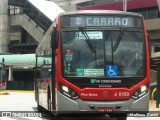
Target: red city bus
[
  {"x": 100, "y": 63},
  {"x": 3, "y": 77}
]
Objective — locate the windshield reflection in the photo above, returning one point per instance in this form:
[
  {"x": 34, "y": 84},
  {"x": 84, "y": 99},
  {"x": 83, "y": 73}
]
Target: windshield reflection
[{"x": 126, "y": 61}]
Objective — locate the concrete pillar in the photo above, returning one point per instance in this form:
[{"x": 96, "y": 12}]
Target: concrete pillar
[
  {"x": 152, "y": 49},
  {"x": 10, "y": 78},
  {"x": 69, "y": 8},
  {"x": 158, "y": 1},
  {"x": 4, "y": 26}
]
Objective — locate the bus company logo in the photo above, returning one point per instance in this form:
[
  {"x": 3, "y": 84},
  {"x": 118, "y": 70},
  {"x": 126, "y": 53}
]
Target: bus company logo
[
  {"x": 105, "y": 93},
  {"x": 78, "y": 21}
]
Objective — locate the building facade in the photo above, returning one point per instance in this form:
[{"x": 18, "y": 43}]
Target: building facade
[{"x": 4, "y": 26}]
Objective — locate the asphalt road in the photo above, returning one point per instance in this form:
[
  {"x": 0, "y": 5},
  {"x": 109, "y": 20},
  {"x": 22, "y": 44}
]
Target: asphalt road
[{"x": 13, "y": 106}]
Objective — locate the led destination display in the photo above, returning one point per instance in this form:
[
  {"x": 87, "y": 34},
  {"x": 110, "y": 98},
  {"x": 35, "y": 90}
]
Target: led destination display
[
  {"x": 125, "y": 21},
  {"x": 101, "y": 21}
]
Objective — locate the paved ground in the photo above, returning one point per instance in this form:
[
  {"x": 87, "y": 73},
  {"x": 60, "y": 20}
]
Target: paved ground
[
  {"x": 19, "y": 102},
  {"x": 152, "y": 106}
]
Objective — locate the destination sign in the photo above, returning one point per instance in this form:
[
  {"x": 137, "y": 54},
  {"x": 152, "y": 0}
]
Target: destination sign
[
  {"x": 124, "y": 21},
  {"x": 101, "y": 21}
]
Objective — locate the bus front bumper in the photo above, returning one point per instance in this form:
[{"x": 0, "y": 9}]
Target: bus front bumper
[{"x": 65, "y": 104}]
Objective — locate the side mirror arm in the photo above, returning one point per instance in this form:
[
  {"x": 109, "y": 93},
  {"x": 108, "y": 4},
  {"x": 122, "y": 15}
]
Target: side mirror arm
[{"x": 54, "y": 38}]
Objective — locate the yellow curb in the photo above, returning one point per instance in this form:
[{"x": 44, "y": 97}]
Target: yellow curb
[
  {"x": 152, "y": 106},
  {"x": 3, "y": 93},
  {"x": 26, "y": 91}
]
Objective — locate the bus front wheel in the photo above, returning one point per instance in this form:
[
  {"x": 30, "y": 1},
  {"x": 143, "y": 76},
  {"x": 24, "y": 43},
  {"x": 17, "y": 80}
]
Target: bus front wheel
[
  {"x": 39, "y": 108},
  {"x": 49, "y": 99},
  {"x": 118, "y": 116}
]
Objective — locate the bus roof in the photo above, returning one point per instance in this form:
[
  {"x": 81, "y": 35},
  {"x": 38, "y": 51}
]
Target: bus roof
[{"x": 100, "y": 12}]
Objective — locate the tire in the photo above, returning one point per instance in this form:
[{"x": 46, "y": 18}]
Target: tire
[
  {"x": 49, "y": 99},
  {"x": 118, "y": 117},
  {"x": 39, "y": 108},
  {"x": 36, "y": 96},
  {"x": 122, "y": 118}
]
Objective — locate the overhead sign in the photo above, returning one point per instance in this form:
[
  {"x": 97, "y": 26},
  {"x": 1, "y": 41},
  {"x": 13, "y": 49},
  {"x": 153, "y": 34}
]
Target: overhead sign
[{"x": 102, "y": 21}]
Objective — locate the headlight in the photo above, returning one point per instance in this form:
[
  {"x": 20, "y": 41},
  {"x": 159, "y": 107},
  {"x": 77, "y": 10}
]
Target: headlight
[
  {"x": 143, "y": 88},
  {"x": 64, "y": 88},
  {"x": 140, "y": 92},
  {"x": 68, "y": 92}
]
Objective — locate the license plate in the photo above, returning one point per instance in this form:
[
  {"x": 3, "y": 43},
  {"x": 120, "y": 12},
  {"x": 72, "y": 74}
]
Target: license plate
[{"x": 105, "y": 109}]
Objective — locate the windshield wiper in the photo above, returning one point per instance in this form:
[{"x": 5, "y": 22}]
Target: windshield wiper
[
  {"x": 114, "y": 48},
  {"x": 88, "y": 41},
  {"x": 118, "y": 40}
]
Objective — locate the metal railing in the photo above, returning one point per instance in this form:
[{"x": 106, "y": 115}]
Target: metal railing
[{"x": 156, "y": 89}]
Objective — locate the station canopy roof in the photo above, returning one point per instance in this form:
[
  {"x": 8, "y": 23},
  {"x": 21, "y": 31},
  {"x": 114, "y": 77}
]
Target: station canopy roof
[{"x": 22, "y": 60}]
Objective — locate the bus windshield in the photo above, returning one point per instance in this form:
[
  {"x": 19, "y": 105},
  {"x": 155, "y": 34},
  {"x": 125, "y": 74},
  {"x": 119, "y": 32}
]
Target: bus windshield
[{"x": 118, "y": 53}]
